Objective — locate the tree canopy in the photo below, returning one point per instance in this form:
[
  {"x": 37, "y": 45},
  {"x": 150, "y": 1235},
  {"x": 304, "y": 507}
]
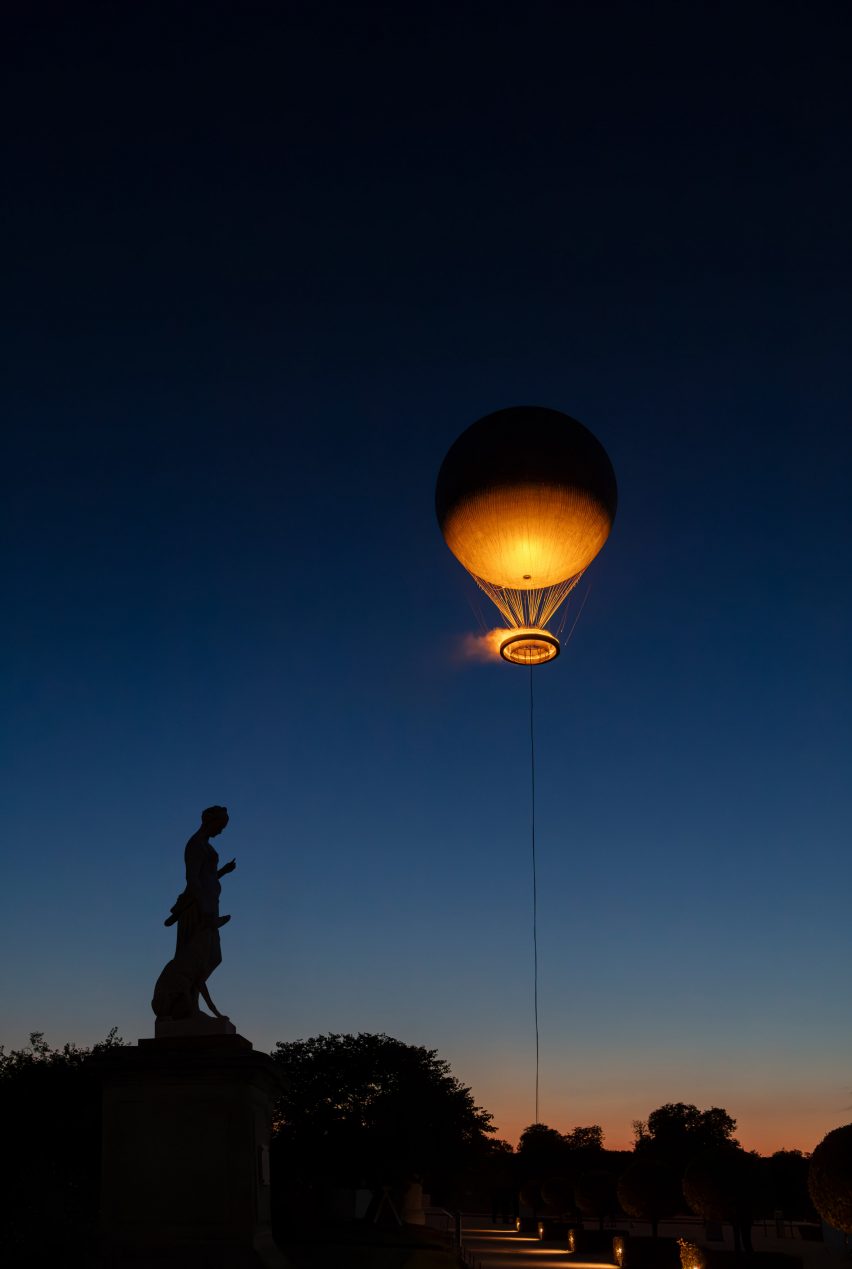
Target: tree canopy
[
  {"x": 678, "y": 1131},
  {"x": 51, "y": 1114},
  {"x": 369, "y": 1109},
  {"x": 541, "y": 1151},
  {"x": 545, "y": 1152}
]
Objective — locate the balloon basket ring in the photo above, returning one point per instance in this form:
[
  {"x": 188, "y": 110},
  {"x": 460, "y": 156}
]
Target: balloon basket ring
[{"x": 529, "y": 646}]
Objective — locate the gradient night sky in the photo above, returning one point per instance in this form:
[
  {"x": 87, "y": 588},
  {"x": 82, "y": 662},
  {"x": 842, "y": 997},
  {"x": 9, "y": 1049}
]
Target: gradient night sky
[{"x": 263, "y": 262}]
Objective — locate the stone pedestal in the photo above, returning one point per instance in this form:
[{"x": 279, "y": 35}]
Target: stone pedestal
[
  {"x": 185, "y": 1162},
  {"x": 200, "y": 1025}
]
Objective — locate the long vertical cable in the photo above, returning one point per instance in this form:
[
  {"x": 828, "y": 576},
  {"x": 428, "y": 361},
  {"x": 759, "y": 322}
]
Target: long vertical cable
[{"x": 534, "y": 888}]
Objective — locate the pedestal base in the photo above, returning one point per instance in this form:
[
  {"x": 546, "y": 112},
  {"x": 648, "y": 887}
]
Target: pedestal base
[
  {"x": 185, "y": 1164},
  {"x": 201, "y": 1025}
]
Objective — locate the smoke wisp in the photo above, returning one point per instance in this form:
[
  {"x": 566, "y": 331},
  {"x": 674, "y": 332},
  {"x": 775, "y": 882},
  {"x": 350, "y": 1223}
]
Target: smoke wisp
[{"x": 482, "y": 647}]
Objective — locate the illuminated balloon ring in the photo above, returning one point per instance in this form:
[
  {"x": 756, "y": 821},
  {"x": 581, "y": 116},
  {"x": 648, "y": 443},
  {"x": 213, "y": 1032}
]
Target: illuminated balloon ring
[{"x": 529, "y": 647}]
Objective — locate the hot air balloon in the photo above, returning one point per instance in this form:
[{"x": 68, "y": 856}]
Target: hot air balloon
[{"x": 525, "y": 499}]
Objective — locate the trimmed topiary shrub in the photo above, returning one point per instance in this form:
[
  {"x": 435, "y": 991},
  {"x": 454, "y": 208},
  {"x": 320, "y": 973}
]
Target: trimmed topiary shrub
[
  {"x": 830, "y": 1178},
  {"x": 558, "y": 1193},
  {"x": 649, "y": 1191},
  {"x": 530, "y": 1195},
  {"x": 594, "y": 1194},
  {"x": 720, "y": 1185}
]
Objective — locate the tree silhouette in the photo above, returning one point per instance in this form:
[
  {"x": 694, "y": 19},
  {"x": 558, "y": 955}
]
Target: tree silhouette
[
  {"x": 676, "y": 1132},
  {"x": 369, "y": 1109},
  {"x": 50, "y": 1108},
  {"x": 544, "y": 1152},
  {"x": 586, "y": 1141}
]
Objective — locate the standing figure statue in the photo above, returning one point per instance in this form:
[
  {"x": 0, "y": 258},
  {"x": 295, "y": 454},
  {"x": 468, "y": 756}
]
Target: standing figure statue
[{"x": 196, "y": 913}]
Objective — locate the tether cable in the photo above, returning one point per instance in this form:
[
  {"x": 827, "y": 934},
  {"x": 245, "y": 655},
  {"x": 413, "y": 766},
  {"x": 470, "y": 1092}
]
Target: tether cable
[{"x": 534, "y": 887}]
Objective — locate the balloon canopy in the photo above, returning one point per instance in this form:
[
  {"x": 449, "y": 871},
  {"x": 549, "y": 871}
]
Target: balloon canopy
[{"x": 526, "y": 498}]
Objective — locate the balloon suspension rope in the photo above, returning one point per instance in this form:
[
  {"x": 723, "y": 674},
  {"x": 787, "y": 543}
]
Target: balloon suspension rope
[{"x": 534, "y": 888}]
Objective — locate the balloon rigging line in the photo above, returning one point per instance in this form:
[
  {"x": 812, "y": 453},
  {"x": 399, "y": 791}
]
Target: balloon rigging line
[
  {"x": 576, "y": 619},
  {"x": 533, "y": 608},
  {"x": 527, "y": 607},
  {"x": 476, "y": 609},
  {"x": 534, "y": 889}
]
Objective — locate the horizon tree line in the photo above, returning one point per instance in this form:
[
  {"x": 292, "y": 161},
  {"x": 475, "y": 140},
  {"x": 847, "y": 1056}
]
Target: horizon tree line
[{"x": 368, "y": 1110}]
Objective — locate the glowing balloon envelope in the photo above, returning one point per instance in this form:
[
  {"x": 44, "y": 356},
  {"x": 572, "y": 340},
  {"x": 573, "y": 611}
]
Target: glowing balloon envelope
[{"x": 526, "y": 498}]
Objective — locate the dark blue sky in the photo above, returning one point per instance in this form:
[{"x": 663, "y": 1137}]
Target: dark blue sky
[{"x": 262, "y": 264}]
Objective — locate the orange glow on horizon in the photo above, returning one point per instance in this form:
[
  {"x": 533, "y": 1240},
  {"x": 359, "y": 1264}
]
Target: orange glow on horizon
[
  {"x": 775, "y": 1108},
  {"x": 763, "y": 1130}
]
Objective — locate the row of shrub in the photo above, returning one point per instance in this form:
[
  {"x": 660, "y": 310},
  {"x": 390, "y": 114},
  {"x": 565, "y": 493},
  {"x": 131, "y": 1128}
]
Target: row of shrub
[{"x": 720, "y": 1185}]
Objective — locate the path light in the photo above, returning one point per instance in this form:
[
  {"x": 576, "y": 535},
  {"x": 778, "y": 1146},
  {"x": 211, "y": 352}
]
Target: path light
[{"x": 618, "y": 1251}]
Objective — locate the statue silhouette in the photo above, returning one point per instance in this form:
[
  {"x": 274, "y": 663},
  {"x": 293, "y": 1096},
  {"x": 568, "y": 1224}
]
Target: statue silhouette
[{"x": 196, "y": 912}]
